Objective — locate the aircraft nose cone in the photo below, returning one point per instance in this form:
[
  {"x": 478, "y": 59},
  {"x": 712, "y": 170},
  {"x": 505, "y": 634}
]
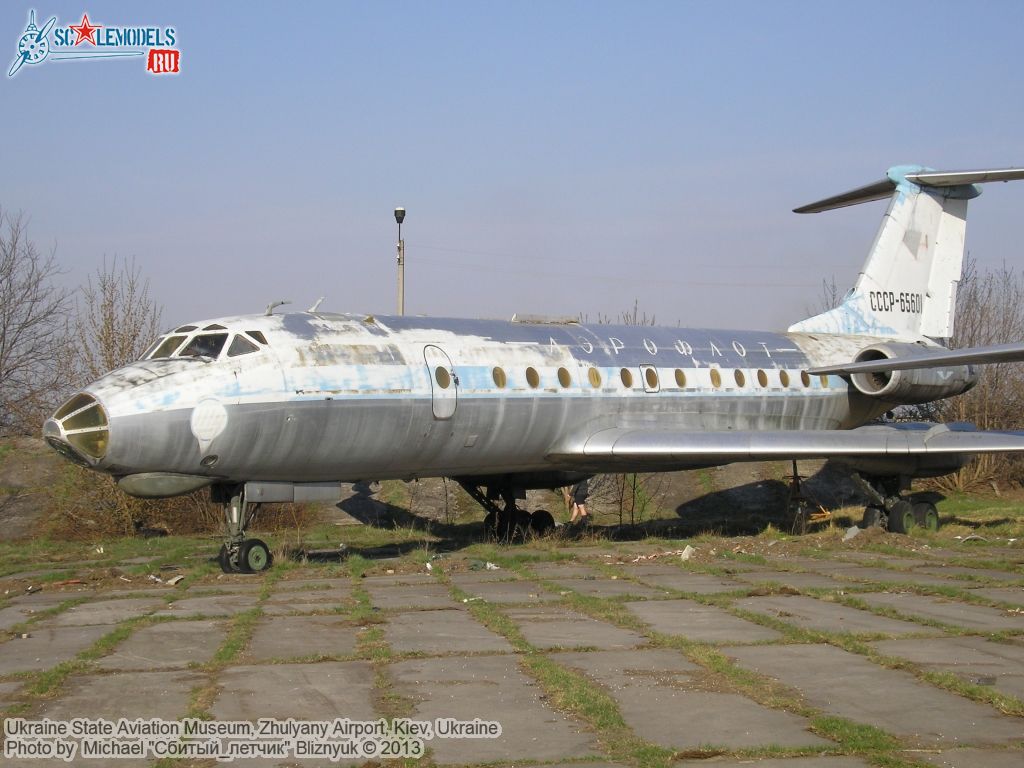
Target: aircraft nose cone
[{"x": 79, "y": 430}]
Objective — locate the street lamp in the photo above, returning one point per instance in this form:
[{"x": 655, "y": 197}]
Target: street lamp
[{"x": 399, "y": 218}]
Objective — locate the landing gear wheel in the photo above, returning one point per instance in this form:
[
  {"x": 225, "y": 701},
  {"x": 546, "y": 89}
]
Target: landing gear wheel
[
  {"x": 926, "y": 516},
  {"x": 541, "y": 522},
  {"x": 873, "y": 517},
  {"x": 224, "y": 560},
  {"x": 254, "y": 556},
  {"x": 901, "y": 517}
]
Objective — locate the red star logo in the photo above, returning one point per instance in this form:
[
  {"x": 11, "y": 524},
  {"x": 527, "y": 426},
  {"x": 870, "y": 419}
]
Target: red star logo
[{"x": 86, "y": 32}]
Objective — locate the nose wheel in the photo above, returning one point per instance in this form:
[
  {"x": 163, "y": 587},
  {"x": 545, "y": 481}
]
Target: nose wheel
[{"x": 239, "y": 554}]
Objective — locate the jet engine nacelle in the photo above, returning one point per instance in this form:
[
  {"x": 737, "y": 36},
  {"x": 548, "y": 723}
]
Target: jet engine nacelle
[{"x": 918, "y": 385}]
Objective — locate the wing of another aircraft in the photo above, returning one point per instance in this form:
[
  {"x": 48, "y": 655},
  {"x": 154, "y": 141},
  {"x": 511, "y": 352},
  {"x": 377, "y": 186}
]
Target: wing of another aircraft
[
  {"x": 657, "y": 448},
  {"x": 999, "y": 353}
]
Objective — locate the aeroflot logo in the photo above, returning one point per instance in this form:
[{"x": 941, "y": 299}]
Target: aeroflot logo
[{"x": 88, "y": 39}]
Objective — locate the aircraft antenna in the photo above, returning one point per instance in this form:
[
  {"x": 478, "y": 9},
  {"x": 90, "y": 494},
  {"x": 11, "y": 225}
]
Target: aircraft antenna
[
  {"x": 271, "y": 305},
  {"x": 316, "y": 304}
]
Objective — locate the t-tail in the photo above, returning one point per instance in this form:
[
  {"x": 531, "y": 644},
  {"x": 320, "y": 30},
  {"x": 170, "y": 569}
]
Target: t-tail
[{"x": 907, "y": 286}]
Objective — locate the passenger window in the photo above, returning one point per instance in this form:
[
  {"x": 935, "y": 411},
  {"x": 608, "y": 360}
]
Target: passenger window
[
  {"x": 241, "y": 346},
  {"x": 205, "y": 345},
  {"x": 167, "y": 347}
]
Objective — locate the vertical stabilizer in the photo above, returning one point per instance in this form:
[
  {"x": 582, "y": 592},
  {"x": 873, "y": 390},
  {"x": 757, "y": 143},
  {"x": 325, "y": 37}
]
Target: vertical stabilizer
[{"x": 907, "y": 286}]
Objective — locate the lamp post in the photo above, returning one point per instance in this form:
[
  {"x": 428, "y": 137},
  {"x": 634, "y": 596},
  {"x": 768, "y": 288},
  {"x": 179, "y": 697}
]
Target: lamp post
[{"x": 400, "y": 217}]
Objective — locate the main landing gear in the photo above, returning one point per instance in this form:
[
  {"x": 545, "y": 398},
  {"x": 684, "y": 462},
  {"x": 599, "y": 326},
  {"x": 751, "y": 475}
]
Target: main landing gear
[
  {"x": 888, "y": 508},
  {"x": 508, "y": 523},
  {"x": 239, "y": 554}
]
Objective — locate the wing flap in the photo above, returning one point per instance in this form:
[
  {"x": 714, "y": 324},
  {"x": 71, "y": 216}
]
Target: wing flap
[{"x": 682, "y": 447}]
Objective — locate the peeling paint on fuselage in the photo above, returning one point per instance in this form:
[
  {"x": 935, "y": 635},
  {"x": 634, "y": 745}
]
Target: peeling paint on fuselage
[{"x": 345, "y": 397}]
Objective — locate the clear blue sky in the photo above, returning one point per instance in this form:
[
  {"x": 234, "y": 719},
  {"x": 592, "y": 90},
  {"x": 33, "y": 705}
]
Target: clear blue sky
[{"x": 554, "y": 158}]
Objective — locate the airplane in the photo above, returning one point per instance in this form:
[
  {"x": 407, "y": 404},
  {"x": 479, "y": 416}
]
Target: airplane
[{"x": 283, "y": 407}]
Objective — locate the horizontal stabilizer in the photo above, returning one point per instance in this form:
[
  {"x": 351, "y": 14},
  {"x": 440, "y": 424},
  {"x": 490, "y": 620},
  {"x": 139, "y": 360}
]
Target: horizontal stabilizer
[
  {"x": 923, "y": 177},
  {"x": 877, "y": 191},
  {"x": 999, "y": 353},
  {"x": 661, "y": 447},
  {"x": 956, "y": 178}
]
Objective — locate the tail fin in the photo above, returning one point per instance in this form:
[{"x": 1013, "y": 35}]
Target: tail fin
[{"x": 907, "y": 286}]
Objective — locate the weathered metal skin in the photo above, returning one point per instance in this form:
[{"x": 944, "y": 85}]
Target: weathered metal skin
[{"x": 343, "y": 398}]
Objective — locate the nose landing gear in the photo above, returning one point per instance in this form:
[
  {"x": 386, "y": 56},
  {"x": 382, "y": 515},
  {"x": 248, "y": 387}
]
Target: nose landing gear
[{"x": 239, "y": 554}]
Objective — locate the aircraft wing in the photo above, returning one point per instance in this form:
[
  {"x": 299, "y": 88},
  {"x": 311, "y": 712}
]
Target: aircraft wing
[
  {"x": 999, "y": 353},
  {"x": 654, "y": 447}
]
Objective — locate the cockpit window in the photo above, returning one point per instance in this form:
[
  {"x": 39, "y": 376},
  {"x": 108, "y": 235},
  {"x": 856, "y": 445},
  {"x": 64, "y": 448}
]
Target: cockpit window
[
  {"x": 185, "y": 329},
  {"x": 151, "y": 349},
  {"x": 215, "y": 327},
  {"x": 258, "y": 335},
  {"x": 241, "y": 346},
  {"x": 205, "y": 345},
  {"x": 167, "y": 347}
]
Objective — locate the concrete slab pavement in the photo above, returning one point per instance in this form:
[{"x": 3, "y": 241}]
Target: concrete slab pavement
[
  {"x": 812, "y": 613},
  {"x": 441, "y": 631},
  {"x": 652, "y": 687},
  {"x": 493, "y": 688},
  {"x": 703, "y": 623},
  {"x": 851, "y": 686}
]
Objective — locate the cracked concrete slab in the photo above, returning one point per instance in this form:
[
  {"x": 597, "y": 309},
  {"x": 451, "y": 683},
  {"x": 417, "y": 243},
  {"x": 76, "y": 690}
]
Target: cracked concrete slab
[
  {"x": 652, "y": 687},
  {"x": 309, "y": 601},
  {"x": 976, "y": 573},
  {"x": 313, "y": 585},
  {"x": 421, "y": 597},
  {"x": 462, "y": 578},
  {"x": 824, "y": 616},
  {"x": 689, "y": 581},
  {"x": 703, "y": 623},
  {"x": 228, "y": 587},
  {"x": 211, "y": 605},
  {"x": 975, "y": 659},
  {"x": 946, "y": 610},
  {"x": 872, "y": 575},
  {"x": 442, "y": 631},
  {"x": 323, "y": 691},
  {"x": 848, "y": 685},
  {"x": 293, "y": 637},
  {"x": 146, "y": 695},
  {"x": 793, "y": 579},
  {"x": 168, "y": 645},
  {"x": 974, "y": 758},
  {"x": 105, "y": 612},
  {"x": 510, "y": 592},
  {"x": 8, "y": 692},
  {"x": 397, "y": 579},
  {"x": 492, "y": 687},
  {"x": 548, "y": 627},
  {"x": 1012, "y": 595},
  {"x": 320, "y": 691},
  {"x": 563, "y": 570},
  {"x": 606, "y": 587},
  {"x": 46, "y": 647}
]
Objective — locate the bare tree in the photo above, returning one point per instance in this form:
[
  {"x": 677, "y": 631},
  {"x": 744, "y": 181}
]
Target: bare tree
[
  {"x": 117, "y": 319},
  {"x": 989, "y": 310},
  {"x": 33, "y": 323}
]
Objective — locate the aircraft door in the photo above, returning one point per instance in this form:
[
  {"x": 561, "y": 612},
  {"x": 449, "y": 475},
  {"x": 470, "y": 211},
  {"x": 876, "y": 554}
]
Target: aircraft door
[{"x": 444, "y": 384}]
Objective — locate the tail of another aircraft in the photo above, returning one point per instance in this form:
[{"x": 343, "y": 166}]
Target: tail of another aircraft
[{"x": 907, "y": 286}]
